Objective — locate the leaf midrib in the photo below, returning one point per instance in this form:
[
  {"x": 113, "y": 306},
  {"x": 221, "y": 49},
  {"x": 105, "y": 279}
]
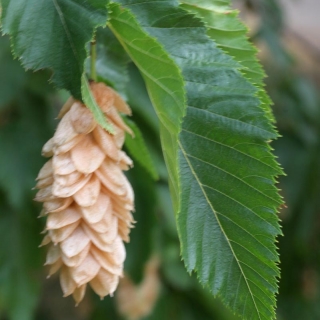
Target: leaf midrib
[
  {"x": 222, "y": 230},
  {"x": 250, "y": 234}
]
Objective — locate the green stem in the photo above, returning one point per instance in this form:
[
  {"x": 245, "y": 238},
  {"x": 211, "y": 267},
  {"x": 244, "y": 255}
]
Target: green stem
[{"x": 93, "y": 61}]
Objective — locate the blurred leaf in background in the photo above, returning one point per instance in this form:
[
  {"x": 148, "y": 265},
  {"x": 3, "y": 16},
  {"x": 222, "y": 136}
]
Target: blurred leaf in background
[{"x": 25, "y": 124}]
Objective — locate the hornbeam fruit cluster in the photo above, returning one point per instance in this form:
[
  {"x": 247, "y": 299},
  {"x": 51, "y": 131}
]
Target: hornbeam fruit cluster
[{"x": 86, "y": 196}]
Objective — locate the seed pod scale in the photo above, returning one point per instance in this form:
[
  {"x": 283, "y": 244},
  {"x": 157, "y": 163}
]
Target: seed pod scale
[{"x": 86, "y": 197}]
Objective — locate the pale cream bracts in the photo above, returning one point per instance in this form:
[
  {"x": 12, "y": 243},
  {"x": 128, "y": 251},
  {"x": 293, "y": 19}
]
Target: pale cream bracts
[{"x": 86, "y": 197}]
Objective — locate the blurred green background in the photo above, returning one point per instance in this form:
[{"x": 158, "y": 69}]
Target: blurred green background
[{"x": 28, "y": 107}]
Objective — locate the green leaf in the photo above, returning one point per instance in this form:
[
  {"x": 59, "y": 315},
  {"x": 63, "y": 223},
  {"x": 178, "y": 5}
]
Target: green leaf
[
  {"x": 146, "y": 119},
  {"x": 141, "y": 244},
  {"x": 91, "y": 103},
  {"x": 26, "y": 125},
  {"x": 230, "y": 34},
  {"x": 53, "y": 34},
  {"x": 139, "y": 100},
  {"x": 163, "y": 80},
  {"x": 138, "y": 149},
  {"x": 112, "y": 60},
  {"x": 12, "y": 76},
  {"x": 228, "y": 220},
  {"x": 20, "y": 262}
]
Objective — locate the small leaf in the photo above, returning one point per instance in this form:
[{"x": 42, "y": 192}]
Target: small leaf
[
  {"x": 53, "y": 34},
  {"x": 138, "y": 149},
  {"x": 90, "y": 102}
]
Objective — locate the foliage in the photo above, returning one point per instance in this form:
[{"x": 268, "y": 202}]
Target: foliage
[
  {"x": 60, "y": 44},
  {"x": 138, "y": 149},
  {"x": 194, "y": 64},
  {"x": 197, "y": 161},
  {"x": 25, "y": 125}
]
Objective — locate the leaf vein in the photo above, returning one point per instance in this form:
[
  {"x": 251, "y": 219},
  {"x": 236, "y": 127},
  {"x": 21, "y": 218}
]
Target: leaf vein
[
  {"x": 232, "y": 175},
  {"x": 232, "y": 119},
  {"x": 230, "y": 147},
  {"x": 253, "y": 236},
  {"x": 222, "y": 230}
]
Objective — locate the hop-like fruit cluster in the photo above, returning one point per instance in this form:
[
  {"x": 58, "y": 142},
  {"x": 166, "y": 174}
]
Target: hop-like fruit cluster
[{"x": 86, "y": 197}]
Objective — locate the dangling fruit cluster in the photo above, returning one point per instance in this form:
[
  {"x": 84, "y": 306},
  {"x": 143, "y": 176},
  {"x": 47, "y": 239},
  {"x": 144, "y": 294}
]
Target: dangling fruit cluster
[{"x": 86, "y": 197}]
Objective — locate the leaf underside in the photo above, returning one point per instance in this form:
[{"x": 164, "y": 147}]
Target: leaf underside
[
  {"x": 163, "y": 81},
  {"x": 53, "y": 34},
  {"x": 139, "y": 150},
  {"x": 112, "y": 60},
  {"x": 228, "y": 219}
]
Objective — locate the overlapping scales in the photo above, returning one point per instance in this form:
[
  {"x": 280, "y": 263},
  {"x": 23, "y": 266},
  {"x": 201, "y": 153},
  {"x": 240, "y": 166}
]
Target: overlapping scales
[{"x": 86, "y": 197}]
